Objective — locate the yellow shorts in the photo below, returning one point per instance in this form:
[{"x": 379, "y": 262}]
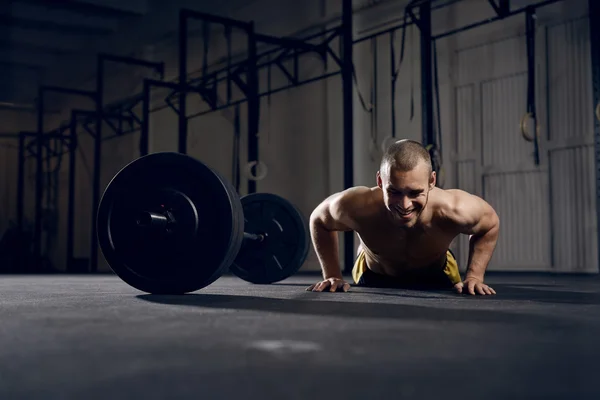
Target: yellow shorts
[{"x": 445, "y": 277}]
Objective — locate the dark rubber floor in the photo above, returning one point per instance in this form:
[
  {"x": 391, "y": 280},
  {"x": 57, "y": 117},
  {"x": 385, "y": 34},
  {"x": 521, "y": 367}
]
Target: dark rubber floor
[{"x": 96, "y": 338}]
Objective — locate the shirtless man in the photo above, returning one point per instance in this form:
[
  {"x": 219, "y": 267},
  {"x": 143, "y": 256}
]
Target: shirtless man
[{"x": 405, "y": 225}]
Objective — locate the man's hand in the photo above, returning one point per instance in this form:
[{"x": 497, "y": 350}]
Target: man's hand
[
  {"x": 329, "y": 284},
  {"x": 473, "y": 286}
]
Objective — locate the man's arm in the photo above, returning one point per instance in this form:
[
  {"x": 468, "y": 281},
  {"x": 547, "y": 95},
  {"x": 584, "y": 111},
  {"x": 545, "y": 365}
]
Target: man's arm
[
  {"x": 331, "y": 216},
  {"x": 474, "y": 216}
]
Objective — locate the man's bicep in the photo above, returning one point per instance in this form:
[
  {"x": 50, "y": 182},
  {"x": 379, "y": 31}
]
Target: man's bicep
[{"x": 473, "y": 215}]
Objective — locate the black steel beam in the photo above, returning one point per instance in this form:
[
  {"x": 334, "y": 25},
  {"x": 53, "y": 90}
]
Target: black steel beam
[
  {"x": 594, "y": 17},
  {"x": 101, "y": 60},
  {"x": 97, "y": 160},
  {"x": 55, "y": 134},
  {"x": 504, "y": 7},
  {"x": 145, "y": 120},
  {"x": 39, "y": 182},
  {"x": 531, "y": 104},
  {"x": 428, "y": 133},
  {"x": 289, "y": 43},
  {"x": 71, "y": 192},
  {"x": 184, "y": 16},
  {"x": 69, "y": 91},
  {"x": 262, "y": 94},
  {"x": 145, "y": 126},
  {"x": 232, "y": 71},
  {"x": 347, "y": 105},
  {"x": 183, "y": 47},
  {"x": 85, "y": 8},
  {"x": 21, "y": 181},
  {"x": 494, "y": 19},
  {"x": 253, "y": 102},
  {"x": 157, "y": 66},
  {"x": 51, "y": 26},
  {"x": 495, "y": 6},
  {"x": 387, "y": 31},
  {"x": 215, "y": 19}
]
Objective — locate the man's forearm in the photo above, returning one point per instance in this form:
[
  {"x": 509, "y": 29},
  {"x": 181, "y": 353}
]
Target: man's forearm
[
  {"x": 481, "y": 248},
  {"x": 326, "y": 246}
]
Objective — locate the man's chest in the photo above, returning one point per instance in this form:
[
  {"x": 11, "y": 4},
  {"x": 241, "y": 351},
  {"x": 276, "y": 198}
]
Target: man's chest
[{"x": 409, "y": 247}]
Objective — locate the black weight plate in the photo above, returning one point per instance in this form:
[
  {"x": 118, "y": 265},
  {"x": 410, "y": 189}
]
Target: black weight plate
[
  {"x": 285, "y": 247},
  {"x": 199, "y": 250}
]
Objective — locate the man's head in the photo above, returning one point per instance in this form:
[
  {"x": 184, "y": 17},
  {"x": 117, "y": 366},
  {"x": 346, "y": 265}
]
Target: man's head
[{"x": 406, "y": 177}]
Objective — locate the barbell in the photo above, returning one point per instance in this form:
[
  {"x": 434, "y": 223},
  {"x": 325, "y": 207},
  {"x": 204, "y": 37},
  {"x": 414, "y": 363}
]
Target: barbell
[{"x": 169, "y": 224}]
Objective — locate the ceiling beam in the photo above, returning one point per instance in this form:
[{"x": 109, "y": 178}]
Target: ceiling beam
[
  {"x": 33, "y": 48},
  {"x": 38, "y": 24},
  {"x": 50, "y": 40},
  {"x": 102, "y": 8},
  {"x": 19, "y": 11}
]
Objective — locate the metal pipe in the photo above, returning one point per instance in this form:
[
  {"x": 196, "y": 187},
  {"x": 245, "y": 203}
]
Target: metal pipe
[
  {"x": 494, "y": 19},
  {"x": 144, "y": 132},
  {"x": 21, "y": 182},
  {"x": 254, "y": 237},
  {"x": 71, "y": 195},
  {"x": 97, "y": 162},
  {"x": 187, "y": 13},
  {"x": 158, "y": 66},
  {"x": 64, "y": 90},
  {"x": 253, "y": 103},
  {"x": 427, "y": 132},
  {"x": 238, "y": 102},
  {"x": 531, "y": 104},
  {"x": 286, "y": 42},
  {"x": 183, "y": 40},
  {"x": 239, "y": 65},
  {"x": 347, "y": 104},
  {"x": 39, "y": 183}
]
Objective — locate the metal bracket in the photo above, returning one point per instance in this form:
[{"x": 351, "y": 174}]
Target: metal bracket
[{"x": 502, "y": 9}]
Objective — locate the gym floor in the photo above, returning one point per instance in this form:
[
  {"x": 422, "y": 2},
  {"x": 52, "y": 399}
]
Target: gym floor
[{"x": 97, "y": 338}]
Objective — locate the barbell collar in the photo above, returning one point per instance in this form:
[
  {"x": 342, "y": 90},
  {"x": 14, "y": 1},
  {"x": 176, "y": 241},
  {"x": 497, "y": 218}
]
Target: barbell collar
[
  {"x": 152, "y": 220},
  {"x": 254, "y": 237}
]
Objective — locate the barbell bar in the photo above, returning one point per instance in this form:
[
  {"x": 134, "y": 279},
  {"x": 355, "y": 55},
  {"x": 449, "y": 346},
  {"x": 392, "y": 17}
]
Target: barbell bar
[{"x": 163, "y": 223}]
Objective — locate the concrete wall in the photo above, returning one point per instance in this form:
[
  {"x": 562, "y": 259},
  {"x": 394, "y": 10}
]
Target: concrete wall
[{"x": 300, "y": 129}]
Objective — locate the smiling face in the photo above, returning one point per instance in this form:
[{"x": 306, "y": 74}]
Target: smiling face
[{"x": 405, "y": 192}]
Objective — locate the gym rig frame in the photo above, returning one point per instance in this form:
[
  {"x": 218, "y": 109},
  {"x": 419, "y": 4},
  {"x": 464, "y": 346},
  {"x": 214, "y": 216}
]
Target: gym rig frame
[{"x": 418, "y": 12}]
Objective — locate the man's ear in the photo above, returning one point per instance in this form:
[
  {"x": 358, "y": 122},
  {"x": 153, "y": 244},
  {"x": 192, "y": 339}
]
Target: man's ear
[
  {"x": 432, "y": 180},
  {"x": 379, "y": 182}
]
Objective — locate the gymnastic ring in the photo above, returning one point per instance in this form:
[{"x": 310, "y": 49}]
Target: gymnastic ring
[
  {"x": 387, "y": 142},
  {"x": 261, "y": 168},
  {"x": 598, "y": 111},
  {"x": 523, "y": 126}
]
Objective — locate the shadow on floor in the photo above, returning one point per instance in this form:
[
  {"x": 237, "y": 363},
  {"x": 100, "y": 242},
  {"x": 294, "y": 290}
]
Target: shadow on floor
[
  {"x": 332, "y": 308},
  {"x": 537, "y": 292}
]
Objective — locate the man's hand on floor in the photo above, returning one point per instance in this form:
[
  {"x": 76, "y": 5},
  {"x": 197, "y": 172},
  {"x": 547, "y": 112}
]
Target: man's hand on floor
[
  {"x": 474, "y": 286},
  {"x": 330, "y": 285}
]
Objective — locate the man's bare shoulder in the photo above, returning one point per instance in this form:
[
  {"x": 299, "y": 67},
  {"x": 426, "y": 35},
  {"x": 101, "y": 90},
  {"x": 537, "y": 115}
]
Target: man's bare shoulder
[
  {"x": 342, "y": 210},
  {"x": 357, "y": 200},
  {"x": 447, "y": 202},
  {"x": 459, "y": 208}
]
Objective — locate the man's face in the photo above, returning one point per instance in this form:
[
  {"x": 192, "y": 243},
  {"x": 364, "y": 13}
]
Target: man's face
[{"x": 405, "y": 193}]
